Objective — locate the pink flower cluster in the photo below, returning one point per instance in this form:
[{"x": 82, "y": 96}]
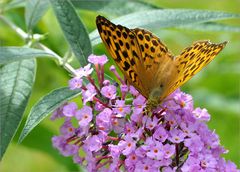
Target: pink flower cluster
[{"x": 111, "y": 131}]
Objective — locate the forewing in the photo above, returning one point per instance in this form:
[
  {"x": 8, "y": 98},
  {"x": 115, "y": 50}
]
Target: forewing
[
  {"x": 158, "y": 62},
  {"x": 123, "y": 47},
  {"x": 193, "y": 59}
]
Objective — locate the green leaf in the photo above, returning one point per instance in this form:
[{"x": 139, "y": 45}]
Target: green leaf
[
  {"x": 73, "y": 29},
  {"x": 16, "y": 81},
  {"x": 46, "y": 105},
  {"x": 211, "y": 26},
  {"x": 12, "y": 4},
  {"x": 90, "y": 5},
  {"x": 34, "y": 11},
  {"x": 166, "y": 18},
  {"x": 11, "y": 54},
  {"x": 111, "y": 7}
]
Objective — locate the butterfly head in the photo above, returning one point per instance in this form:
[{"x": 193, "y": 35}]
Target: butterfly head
[{"x": 155, "y": 98}]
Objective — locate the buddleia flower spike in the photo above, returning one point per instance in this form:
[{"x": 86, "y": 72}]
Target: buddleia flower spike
[{"x": 107, "y": 132}]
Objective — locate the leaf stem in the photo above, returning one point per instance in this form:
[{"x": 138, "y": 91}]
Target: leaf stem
[
  {"x": 65, "y": 65},
  {"x": 26, "y": 36},
  {"x": 18, "y": 30}
]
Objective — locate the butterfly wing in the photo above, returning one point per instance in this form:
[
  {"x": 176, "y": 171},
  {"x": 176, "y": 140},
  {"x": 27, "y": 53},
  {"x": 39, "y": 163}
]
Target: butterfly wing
[
  {"x": 140, "y": 55},
  {"x": 123, "y": 47},
  {"x": 193, "y": 59},
  {"x": 159, "y": 68},
  {"x": 146, "y": 62}
]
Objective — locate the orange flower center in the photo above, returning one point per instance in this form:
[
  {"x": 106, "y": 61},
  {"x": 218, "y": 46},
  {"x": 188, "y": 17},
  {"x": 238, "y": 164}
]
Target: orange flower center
[
  {"x": 129, "y": 144},
  {"x": 182, "y": 104},
  {"x": 120, "y": 109},
  {"x": 115, "y": 123},
  {"x": 133, "y": 157},
  {"x": 146, "y": 168}
]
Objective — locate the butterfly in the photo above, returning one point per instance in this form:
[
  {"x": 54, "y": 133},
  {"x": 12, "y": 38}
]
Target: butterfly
[{"x": 147, "y": 63}]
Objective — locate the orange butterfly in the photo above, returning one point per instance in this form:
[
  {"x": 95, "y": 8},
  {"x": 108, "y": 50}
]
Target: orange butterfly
[{"x": 147, "y": 63}]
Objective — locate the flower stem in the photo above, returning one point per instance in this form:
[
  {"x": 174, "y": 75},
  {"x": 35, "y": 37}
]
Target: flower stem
[
  {"x": 103, "y": 157},
  {"x": 104, "y": 163},
  {"x": 177, "y": 154},
  {"x": 98, "y": 71},
  {"x": 104, "y": 104},
  {"x": 93, "y": 83},
  {"x": 113, "y": 138},
  {"x": 102, "y": 75}
]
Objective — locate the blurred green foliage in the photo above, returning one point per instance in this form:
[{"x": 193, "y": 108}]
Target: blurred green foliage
[{"x": 216, "y": 88}]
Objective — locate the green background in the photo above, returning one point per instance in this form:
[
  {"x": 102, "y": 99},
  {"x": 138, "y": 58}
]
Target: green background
[{"x": 216, "y": 88}]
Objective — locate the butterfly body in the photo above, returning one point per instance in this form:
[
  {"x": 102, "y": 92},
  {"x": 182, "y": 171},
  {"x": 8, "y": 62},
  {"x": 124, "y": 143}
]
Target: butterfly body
[{"x": 147, "y": 63}]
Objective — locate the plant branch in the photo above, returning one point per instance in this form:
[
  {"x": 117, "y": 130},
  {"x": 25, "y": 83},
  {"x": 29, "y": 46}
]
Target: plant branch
[
  {"x": 18, "y": 30},
  {"x": 65, "y": 65},
  {"x": 26, "y": 36}
]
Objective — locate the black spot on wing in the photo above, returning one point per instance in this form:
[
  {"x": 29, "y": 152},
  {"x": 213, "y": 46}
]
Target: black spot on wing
[
  {"x": 125, "y": 35},
  {"x": 125, "y": 54},
  {"x": 154, "y": 42},
  {"x": 118, "y": 33},
  {"x": 140, "y": 36},
  {"x": 147, "y": 37},
  {"x": 152, "y": 49},
  {"x": 127, "y": 46},
  {"x": 118, "y": 59},
  {"x": 120, "y": 42},
  {"x": 146, "y": 46},
  {"x": 126, "y": 66}
]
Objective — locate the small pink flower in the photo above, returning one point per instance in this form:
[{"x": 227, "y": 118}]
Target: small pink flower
[
  {"x": 84, "y": 116},
  {"x": 94, "y": 59},
  {"x": 70, "y": 109},
  {"x": 67, "y": 129},
  {"x": 89, "y": 93},
  {"x": 124, "y": 88},
  {"x": 109, "y": 91},
  {"x": 201, "y": 114},
  {"x": 156, "y": 151},
  {"x": 128, "y": 145},
  {"x": 160, "y": 134},
  {"x": 131, "y": 160},
  {"x": 150, "y": 123},
  {"x": 121, "y": 109},
  {"x": 84, "y": 71},
  {"x": 75, "y": 83},
  {"x": 93, "y": 143},
  {"x": 103, "y": 120},
  {"x": 194, "y": 144},
  {"x": 176, "y": 136},
  {"x": 168, "y": 150},
  {"x": 133, "y": 91}
]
